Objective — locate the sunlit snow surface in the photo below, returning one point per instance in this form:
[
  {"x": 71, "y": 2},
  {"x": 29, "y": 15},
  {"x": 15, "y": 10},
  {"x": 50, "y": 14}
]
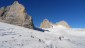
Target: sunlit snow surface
[{"x": 12, "y": 36}]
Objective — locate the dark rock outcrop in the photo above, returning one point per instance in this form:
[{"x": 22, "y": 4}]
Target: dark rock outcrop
[{"x": 16, "y": 14}]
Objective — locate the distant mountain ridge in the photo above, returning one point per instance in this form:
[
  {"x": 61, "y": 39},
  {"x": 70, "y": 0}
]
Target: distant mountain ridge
[
  {"x": 47, "y": 24},
  {"x": 17, "y": 15},
  {"x": 63, "y": 23}
]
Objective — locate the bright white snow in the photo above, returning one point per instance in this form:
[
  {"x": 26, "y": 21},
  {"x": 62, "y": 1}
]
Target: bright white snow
[{"x": 12, "y": 36}]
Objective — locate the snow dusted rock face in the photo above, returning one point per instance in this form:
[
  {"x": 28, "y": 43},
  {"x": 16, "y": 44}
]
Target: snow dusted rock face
[
  {"x": 63, "y": 23},
  {"x": 46, "y": 24},
  {"x": 16, "y": 14}
]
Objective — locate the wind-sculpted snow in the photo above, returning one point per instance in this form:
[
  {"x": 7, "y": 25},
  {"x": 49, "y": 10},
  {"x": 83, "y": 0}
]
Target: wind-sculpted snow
[{"x": 12, "y": 36}]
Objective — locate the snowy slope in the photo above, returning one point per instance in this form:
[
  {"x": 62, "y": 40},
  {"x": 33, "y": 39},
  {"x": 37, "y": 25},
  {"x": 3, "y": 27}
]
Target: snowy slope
[{"x": 12, "y": 36}]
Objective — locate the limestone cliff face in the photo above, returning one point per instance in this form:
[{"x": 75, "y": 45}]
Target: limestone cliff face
[
  {"x": 46, "y": 24},
  {"x": 63, "y": 23},
  {"x": 16, "y": 14}
]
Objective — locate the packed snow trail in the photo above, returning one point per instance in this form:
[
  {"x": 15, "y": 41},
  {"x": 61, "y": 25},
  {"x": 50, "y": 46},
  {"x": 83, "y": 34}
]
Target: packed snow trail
[{"x": 12, "y": 36}]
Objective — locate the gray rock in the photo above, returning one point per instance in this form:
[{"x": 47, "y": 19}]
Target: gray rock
[{"x": 16, "y": 14}]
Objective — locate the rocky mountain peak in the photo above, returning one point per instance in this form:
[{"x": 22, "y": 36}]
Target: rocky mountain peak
[
  {"x": 46, "y": 24},
  {"x": 46, "y": 20},
  {"x": 16, "y": 2},
  {"x": 16, "y": 14},
  {"x": 63, "y": 23}
]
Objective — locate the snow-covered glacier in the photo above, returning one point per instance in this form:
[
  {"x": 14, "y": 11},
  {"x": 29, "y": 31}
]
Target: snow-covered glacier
[{"x": 12, "y": 36}]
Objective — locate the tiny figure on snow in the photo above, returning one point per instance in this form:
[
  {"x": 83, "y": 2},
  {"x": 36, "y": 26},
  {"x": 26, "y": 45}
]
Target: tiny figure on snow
[{"x": 60, "y": 38}]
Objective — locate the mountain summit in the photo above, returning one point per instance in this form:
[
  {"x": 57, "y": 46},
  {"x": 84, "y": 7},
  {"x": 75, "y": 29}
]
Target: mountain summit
[
  {"x": 46, "y": 24},
  {"x": 16, "y": 14},
  {"x": 63, "y": 23}
]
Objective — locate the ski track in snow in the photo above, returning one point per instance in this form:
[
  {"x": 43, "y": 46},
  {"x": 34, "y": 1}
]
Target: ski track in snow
[{"x": 12, "y": 36}]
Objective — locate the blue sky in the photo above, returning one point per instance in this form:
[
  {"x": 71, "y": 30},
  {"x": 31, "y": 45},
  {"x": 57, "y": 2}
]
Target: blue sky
[{"x": 72, "y": 11}]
